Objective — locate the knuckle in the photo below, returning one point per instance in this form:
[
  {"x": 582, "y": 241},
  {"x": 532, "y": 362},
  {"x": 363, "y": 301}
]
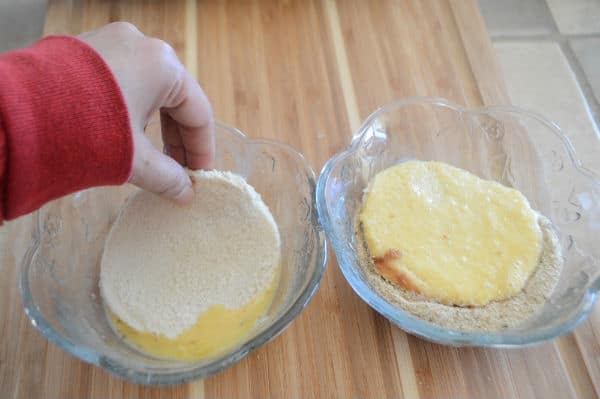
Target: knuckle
[
  {"x": 161, "y": 48},
  {"x": 169, "y": 70},
  {"x": 165, "y": 58},
  {"x": 124, "y": 27}
]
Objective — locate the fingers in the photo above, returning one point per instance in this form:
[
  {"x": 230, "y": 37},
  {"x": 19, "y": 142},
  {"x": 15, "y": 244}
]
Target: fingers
[
  {"x": 159, "y": 173},
  {"x": 172, "y": 138},
  {"x": 190, "y": 109}
]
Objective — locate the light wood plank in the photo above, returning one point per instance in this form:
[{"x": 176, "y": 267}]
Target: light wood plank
[{"x": 306, "y": 73}]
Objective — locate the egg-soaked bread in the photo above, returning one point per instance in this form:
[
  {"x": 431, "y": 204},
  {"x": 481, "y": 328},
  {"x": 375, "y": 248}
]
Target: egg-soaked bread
[{"x": 449, "y": 235}]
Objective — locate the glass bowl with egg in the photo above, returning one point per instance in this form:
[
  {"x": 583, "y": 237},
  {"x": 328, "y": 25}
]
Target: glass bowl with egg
[
  {"x": 61, "y": 269},
  {"x": 508, "y": 145}
]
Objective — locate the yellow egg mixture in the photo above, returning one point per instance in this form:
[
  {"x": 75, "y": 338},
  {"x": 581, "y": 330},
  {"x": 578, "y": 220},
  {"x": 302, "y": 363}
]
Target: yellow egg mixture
[
  {"x": 449, "y": 235},
  {"x": 217, "y": 330}
]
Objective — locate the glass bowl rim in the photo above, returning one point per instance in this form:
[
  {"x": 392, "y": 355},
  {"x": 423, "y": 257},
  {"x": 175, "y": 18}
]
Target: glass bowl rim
[
  {"x": 148, "y": 377},
  {"x": 404, "y": 320}
]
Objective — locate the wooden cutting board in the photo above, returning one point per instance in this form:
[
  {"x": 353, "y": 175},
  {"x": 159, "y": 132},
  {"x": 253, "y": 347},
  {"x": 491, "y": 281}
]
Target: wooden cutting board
[{"x": 306, "y": 73}]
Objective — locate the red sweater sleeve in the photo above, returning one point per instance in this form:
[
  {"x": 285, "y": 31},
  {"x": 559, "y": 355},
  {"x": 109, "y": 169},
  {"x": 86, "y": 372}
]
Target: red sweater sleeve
[{"x": 64, "y": 124}]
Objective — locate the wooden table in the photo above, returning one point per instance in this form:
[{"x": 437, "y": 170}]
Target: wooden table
[{"x": 306, "y": 73}]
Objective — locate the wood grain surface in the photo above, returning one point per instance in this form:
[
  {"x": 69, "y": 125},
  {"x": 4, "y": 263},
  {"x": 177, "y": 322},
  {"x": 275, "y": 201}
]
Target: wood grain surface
[{"x": 306, "y": 73}]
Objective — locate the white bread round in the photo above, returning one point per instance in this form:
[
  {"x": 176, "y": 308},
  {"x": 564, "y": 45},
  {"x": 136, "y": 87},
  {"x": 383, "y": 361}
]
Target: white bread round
[{"x": 164, "y": 264}]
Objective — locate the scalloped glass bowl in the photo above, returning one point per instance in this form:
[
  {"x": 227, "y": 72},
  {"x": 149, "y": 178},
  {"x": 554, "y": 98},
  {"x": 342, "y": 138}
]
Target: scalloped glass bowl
[
  {"x": 517, "y": 148},
  {"x": 59, "y": 275}
]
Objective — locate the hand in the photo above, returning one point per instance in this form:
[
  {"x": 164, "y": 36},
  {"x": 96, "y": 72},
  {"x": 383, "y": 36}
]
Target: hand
[{"x": 152, "y": 78}]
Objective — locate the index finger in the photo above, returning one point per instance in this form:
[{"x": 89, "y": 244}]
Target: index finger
[{"x": 194, "y": 117}]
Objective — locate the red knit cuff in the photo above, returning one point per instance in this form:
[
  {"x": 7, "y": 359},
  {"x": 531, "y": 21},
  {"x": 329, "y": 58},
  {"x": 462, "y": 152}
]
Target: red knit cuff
[{"x": 66, "y": 123}]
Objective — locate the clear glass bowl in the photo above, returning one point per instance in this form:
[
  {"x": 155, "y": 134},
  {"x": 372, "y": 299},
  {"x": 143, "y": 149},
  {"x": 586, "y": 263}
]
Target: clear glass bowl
[
  {"x": 59, "y": 275},
  {"x": 517, "y": 148}
]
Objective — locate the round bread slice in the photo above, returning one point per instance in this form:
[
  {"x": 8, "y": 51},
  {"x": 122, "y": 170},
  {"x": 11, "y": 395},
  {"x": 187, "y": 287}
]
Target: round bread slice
[{"x": 165, "y": 264}]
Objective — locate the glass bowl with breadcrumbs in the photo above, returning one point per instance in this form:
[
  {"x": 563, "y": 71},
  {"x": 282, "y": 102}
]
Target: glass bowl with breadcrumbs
[{"x": 516, "y": 148}]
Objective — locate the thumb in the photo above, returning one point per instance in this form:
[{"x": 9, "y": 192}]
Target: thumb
[{"x": 159, "y": 173}]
